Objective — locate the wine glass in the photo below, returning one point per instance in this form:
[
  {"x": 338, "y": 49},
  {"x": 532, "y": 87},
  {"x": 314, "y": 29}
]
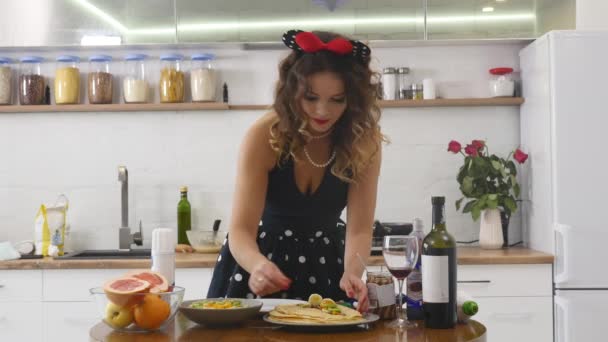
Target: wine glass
[{"x": 400, "y": 255}]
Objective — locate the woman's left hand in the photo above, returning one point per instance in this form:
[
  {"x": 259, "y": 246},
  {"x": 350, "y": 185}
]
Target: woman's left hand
[{"x": 355, "y": 288}]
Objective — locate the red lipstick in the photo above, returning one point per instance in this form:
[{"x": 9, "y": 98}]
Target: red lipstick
[{"x": 320, "y": 121}]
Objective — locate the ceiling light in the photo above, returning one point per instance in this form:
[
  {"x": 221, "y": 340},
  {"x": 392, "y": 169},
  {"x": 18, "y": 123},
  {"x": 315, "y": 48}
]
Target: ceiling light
[{"x": 487, "y": 9}]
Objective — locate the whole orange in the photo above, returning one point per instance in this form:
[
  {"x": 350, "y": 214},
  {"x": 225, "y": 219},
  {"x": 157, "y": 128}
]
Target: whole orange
[{"x": 151, "y": 312}]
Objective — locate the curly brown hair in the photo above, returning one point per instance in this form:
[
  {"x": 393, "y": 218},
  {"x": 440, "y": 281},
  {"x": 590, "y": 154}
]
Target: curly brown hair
[{"x": 356, "y": 136}]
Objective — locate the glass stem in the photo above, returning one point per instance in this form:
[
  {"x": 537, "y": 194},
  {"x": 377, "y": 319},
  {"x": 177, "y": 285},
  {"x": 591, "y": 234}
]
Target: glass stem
[{"x": 400, "y": 307}]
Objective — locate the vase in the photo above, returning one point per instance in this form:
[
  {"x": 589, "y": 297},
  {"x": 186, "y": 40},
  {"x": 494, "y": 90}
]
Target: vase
[
  {"x": 504, "y": 219},
  {"x": 490, "y": 230}
]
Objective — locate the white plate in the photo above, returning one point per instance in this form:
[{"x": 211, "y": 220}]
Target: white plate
[{"x": 269, "y": 303}]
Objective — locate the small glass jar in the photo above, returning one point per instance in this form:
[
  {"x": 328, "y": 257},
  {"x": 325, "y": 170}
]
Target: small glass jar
[
  {"x": 417, "y": 91},
  {"x": 389, "y": 84},
  {"x": 203, "y": 80},
  {"x": 6, "y": 81},
  {"x": 381, "y": 294},
  {"x": 67, "y": 80},
  {"x": 501, "y": 83},
  {"x": 31, "y": 81},
  {"x": 172, "y": 80},
  {"x": 100, "y": 80},
  {"x": 405, "y": 86},
  {"x": 134, "y": 85}
]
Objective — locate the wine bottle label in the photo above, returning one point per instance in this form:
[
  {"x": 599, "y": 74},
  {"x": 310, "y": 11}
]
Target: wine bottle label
[
  {"x": 383, "y": 294},
  {"x": 435, "y": 279}
]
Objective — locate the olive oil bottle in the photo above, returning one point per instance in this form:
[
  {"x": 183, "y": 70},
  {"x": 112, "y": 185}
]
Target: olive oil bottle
[{"x": 184, "y": 216}]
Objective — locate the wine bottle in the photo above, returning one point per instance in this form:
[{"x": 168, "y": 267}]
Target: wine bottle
[
  {"x": 439, "y": 272},
  {"x": 414, "y": 280},
  {"x": 183, "y": 216}
]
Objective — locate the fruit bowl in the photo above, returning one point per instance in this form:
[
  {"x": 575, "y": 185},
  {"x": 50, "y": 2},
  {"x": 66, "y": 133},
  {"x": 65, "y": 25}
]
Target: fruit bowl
[{"x": 138, "y": 312}]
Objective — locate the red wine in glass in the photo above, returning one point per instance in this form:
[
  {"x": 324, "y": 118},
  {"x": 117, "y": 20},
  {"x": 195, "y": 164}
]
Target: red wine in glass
[{"x": 400, "y": 273}]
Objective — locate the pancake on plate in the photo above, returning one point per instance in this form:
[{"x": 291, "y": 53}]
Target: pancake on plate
[{"x": 317, "y": 311}]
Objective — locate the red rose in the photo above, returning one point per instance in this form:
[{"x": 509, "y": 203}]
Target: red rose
[
  {"x": 520, "y": 156},
  {"x": 471, "y": 150},
  {"x": 454, "y": 146},
  {"x": 478, "y": 144}
]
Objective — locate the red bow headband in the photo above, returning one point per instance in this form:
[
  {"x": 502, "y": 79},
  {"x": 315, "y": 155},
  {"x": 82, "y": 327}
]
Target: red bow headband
[{"x": 308, "y": 42}]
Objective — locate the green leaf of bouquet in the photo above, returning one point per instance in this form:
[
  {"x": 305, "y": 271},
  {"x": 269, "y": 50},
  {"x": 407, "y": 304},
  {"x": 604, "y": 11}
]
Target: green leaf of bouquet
[
  {"x": 496, "y": 164},
  {"x": 467, "y": 185},
  {"x": 510, "y": 203},
  {"x": 475, "y": 213},
  {"x": 469, "y": 206},
  {"x": 458, "y": 203}
]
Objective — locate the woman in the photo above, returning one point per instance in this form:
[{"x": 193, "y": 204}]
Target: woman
[{"x": 300, "y": 165}]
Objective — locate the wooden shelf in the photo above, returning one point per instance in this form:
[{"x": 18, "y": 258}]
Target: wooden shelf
[{"x": 156, "y": 107}]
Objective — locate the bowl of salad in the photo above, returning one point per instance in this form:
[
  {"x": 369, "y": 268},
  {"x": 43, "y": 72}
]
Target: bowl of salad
[{"x": 220, "y": 311}]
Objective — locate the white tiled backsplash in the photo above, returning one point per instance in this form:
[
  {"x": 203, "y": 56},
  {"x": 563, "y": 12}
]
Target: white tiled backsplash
[{"x": 77, "y": 154}]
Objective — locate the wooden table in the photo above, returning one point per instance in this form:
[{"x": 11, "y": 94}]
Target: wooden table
[{"x": 183, "y": 330}]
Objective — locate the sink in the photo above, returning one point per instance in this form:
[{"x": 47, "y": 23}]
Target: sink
[{"x": 108, "y": 254}]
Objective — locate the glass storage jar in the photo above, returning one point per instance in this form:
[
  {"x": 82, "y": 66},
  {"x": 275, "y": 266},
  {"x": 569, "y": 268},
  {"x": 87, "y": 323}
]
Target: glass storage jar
[
  {"x": 31, "y": 81},
  {"x": 405, "y": 85},
  {"x": 100, "y": 80},
  {"x": 67, "y": 80},
  {"x": 501, "y": 84},
  {"x": 389, "y": 84},
  {"x": 203, "y": 81},
  {"x": 172, "y": 80},
  {"x": 6, "y": 81},
  {"x": 134, "y": 85}
]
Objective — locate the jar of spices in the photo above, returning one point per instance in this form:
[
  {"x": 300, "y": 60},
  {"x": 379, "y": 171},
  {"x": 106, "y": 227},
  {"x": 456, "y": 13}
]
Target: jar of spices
[
  {"x": 389, "y": 84},
  {"x": 172, "y": 80},
  {"x": 381, "y": 293},
  {"x": 100, "y": 79},
  {"x": 417, "y": 91},
  {"x": 31, "y": 81},
  {"x": 405, "y": 86},
  {"x": 203, "y": 81},
  {"x": 6, "y": 80},
  {"x": 67, "y": 80},
  {"x": 134, "y": 85}
]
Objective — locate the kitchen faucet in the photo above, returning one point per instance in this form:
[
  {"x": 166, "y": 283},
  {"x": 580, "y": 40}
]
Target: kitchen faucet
[{"x": 125, "y": 238}]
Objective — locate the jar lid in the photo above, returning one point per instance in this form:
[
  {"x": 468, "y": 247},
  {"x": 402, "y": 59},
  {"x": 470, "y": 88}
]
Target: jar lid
[
  {"x": 68, "y": 58},
  {"x": 31, "y": 59},
  {"x": 203, "y": 57},
  {"x": 501, "y": 71},
  {"x": 403, "y": 70},
  {"x": 100, "y": 58},
  {"x": 171, "y": 57},
  {"x": 5, "y": 60},
  {"x": 389, "y": 70},
  {"x": 136, "y": 57}
]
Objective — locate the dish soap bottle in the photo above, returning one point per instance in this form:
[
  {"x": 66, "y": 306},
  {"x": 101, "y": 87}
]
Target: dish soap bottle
[
  {"x": 414, "y": 280},
  {"x": 183, "y": 217}
]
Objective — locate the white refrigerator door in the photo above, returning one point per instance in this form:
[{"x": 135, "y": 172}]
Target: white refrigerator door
[
  {"x": 580, "y": 315},
  {"x": 579, "y": 163}
]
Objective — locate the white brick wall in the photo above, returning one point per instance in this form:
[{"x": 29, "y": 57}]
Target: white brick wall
[{"x": 45, "y": 154}]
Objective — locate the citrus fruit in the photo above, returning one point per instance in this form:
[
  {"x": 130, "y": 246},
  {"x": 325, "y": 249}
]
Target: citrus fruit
[
  {"x": 151, "y": 312},
  {"x": 158, "y": 283},
  {"x": 123, "y": 291},
  {"x": 315, "y": 300}
]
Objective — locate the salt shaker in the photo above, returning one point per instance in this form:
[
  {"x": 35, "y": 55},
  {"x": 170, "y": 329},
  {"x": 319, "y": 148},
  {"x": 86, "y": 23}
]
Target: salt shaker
[{"x": 163, "y": 253}]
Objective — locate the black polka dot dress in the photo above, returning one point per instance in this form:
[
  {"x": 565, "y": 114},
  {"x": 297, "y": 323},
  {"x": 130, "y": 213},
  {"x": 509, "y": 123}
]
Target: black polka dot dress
[{"x": 301, "y": 233}]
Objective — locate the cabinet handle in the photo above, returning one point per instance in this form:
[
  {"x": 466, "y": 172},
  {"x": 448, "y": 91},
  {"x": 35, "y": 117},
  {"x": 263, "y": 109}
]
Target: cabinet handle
[{"x": 474, "y": 281}]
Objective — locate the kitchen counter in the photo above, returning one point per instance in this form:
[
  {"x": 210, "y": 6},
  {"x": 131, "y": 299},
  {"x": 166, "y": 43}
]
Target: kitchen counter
[
  {"x": 466, "y": 256},
  {"x": 183, "y": 330}
]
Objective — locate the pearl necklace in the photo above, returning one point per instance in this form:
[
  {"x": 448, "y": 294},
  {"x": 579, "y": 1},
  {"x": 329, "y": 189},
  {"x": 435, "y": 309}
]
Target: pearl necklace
[
  {"x": 313, "y": 137},
  {"x": 333, "y": 156}
]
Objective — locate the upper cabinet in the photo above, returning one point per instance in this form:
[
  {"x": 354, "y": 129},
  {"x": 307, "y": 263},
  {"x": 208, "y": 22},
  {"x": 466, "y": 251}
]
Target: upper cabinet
[{"x": 102, "y": 22}]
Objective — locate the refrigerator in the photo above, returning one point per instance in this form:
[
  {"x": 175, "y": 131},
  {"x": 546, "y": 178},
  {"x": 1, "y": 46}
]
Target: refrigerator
[{"x": 564, "y": 129}]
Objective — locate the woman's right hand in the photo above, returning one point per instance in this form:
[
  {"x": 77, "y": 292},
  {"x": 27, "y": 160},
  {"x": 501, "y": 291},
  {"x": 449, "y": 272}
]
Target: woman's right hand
[{"x": 266, "y": 278}]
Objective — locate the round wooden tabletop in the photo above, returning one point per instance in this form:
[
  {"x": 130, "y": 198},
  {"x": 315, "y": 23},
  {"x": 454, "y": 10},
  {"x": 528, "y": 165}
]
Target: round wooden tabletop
[{"x": 184, "y": 330}]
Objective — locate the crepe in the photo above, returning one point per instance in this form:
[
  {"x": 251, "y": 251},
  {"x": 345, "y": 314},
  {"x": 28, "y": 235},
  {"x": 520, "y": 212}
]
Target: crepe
[{"x": 302, "y": 313}]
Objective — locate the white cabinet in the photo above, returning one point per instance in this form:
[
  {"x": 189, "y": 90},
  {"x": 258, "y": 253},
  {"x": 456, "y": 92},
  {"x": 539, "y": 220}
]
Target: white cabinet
[
  {"x": 68, "y": 321},
  {"x": 515, "y": 301},
  {"x": 20, "y": 285},
  {"x": 196, "y": 281},
  {"x": 21, "y": 321}
]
